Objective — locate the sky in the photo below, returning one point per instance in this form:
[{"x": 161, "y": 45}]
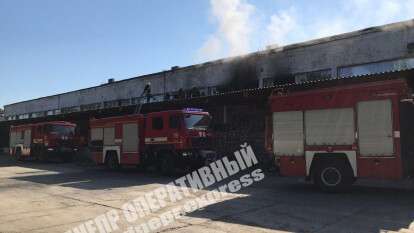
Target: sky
[{"x": 54, "y": 46}]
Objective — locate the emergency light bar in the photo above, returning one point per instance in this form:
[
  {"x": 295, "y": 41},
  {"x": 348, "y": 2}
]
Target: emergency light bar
[{"x": 192, "y": 110}]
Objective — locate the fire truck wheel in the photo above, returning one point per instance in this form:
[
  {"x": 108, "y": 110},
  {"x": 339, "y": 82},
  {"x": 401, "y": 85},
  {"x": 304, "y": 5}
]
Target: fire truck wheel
[
  {"x": 18, "y": 154},
  {"x": 333, "y": 175},
  {"x": 166, "y": 165},
  {"x": 42, "y": 156},
  {"x": 68, "y": 157},
  {"x": 111, "y": 162}
]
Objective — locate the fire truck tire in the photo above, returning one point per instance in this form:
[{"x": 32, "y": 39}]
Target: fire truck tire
[
  {"x": 333, "y": 175},
  {"x": 42, "y": 156},
  {"x": 18, "y": 154},
  {"x": 111, "y": 161},
  {"x": 67, "y": 158},
  {"x": 167, "y": 165}
]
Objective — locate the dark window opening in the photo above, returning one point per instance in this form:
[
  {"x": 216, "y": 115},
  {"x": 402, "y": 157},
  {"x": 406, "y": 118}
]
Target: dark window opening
[
  {"x": 60, "y": 130},
  {"x": 157, "y": 123}
]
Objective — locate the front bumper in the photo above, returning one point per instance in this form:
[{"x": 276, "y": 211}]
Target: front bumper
[
  {"x": 199, "y": 157},
  {"x": 59, "y": 150}
]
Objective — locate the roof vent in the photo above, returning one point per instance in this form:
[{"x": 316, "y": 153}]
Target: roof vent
[
  {"x": 111, "y": 80},
  {"x": 175, "y": 68}
]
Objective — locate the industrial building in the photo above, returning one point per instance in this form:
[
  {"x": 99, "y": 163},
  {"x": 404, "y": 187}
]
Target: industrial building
[
  {"x": 369, "y": 51},
  {"x": 235, "y": 90}
]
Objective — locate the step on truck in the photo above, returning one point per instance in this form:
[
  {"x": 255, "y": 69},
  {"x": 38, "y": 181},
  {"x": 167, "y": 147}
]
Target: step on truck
[
  {"x": 167, "y": 140},
  {"x": 43, "y": 141},
  {"x": 333, "y": 136}
]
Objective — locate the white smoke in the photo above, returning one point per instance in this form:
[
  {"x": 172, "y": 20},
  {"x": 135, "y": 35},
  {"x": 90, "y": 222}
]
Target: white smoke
[
  {"x": 280, "y": 27},
  {"x": 211, "y": 49},
  {"x": 234, "y": 21},
  {"x": 238, "y": 28}
]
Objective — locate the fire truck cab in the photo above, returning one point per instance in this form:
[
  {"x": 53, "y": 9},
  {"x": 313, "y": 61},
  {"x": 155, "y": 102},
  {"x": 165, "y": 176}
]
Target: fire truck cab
[
  {"x": 167, "y": 139},
  {"x": 335, "y": 135},
  {"x": 43, "y": 141}
]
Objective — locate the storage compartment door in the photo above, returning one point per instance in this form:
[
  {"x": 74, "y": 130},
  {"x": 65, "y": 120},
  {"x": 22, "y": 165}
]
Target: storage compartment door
[
  {"x": 130, "y": 140},
  {"x": 330, "y": 127},
  {"x": 109, "y": 136},
  {"x": 27, "y": 138},
  {"x": 376, "y": 144},
  {"x": 375, "y": 128},
  {"x": 13, "y": 139},
  {"x": 288, "y": 144},
  {"x": 288, "y": 133}
]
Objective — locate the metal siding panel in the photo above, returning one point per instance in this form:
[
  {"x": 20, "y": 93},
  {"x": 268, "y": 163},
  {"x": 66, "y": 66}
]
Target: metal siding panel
[
  {"x": 330, "y": 127},
  {"x": 288, "y": 133},
  {"x": 375, "y": 128}
]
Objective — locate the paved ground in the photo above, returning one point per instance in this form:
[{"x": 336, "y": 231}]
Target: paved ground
[{"x": 56, "y": 197}]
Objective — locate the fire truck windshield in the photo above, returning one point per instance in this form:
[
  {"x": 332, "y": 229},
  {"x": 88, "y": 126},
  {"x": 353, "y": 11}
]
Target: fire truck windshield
[
  {"x": 194, "y": 121},
  {"x": 60, "y": 130}
]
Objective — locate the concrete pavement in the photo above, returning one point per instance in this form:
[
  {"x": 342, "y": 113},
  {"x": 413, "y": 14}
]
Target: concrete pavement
[{"x": 56, "y": 197}]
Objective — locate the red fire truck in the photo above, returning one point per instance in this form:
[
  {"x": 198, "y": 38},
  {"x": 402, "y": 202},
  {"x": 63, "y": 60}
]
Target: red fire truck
[
  {"x": 335, "y": 135},
  {"x": 43, "y": 141},
  {"x": 167, "y": 139}
]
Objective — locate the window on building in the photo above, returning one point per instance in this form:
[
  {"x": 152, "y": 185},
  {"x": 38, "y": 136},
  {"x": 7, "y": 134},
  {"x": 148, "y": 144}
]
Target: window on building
[
  {"x": 157, "y": 123},
  {"x": 313, "y": 76},
  {"x": 410, "y": 47},
  {"x": 376, "y": 68},
  {"x": 279, "y": 79},
  {"x": 174, "y": 122},
  {"x": 268, "y": 82}
]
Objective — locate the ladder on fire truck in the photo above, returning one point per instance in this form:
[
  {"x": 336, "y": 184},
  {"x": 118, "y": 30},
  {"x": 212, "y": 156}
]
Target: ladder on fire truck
[{"x": 147, "y": 93}]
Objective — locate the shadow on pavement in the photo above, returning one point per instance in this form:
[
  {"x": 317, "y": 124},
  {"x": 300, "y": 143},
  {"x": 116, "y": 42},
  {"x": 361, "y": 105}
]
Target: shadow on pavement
[{"x": 285, "y": 204}]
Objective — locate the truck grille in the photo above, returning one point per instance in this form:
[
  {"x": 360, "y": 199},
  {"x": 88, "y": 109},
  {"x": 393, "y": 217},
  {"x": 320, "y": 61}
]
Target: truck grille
[
  {"x": 65, "y": 143},
  {"x": 201, "y": 143}
]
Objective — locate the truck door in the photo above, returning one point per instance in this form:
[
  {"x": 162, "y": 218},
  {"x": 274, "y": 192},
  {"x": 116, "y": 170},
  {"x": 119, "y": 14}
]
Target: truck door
[
  {"x": 155, "y": 131},
  {"x": 376, "y": 142},
  {"x": 174, "y": 126}
]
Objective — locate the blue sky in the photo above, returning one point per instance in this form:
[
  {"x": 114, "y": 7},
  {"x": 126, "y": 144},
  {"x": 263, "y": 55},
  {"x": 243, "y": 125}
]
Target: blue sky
[{"x": 53, "y": 46}]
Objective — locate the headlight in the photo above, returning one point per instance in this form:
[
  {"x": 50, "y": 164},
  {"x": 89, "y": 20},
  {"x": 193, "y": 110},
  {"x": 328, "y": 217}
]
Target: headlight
[
  {"x": 50, "y": 149},
  {"x": 210, "y": 155},
  {"x": 185, "y": 154}
]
